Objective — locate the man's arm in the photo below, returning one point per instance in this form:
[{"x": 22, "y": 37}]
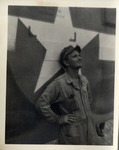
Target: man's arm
[
  {"x": 45, "y": 100},
  {"x": 44, "y": 103}
]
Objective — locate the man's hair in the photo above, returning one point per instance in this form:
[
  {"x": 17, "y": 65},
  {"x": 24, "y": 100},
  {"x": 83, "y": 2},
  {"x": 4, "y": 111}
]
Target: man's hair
[{"x": 66, "y": 51}]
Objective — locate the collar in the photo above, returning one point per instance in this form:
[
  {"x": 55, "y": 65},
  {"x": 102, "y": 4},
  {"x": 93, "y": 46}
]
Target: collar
[{"x": 69, "y": 80}]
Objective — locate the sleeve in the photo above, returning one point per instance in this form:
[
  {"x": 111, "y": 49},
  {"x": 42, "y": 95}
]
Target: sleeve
[{"x": 45, "y": 100}]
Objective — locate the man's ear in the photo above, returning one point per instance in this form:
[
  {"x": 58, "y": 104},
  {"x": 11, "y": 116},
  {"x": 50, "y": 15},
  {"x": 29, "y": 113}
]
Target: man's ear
[{"x": 66, "y": 63}]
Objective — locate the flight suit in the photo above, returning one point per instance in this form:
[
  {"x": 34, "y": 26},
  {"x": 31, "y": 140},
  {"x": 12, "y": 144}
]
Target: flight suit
[{"x": 71, "y": 98}]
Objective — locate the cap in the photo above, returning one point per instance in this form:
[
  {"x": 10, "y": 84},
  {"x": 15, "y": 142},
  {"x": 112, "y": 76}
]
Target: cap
[{"x": 66, "y": 51}]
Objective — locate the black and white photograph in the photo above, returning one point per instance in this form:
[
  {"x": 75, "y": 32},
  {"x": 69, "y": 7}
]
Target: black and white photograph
[{"x": 60, "y": 75}]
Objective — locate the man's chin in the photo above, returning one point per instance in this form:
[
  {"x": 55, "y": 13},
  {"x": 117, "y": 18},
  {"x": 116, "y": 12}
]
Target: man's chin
[{"x": 80, "y": 66}]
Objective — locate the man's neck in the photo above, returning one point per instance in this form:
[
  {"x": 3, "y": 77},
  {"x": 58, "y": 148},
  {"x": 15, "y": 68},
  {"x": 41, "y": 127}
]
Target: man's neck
[{"x": 73, "y": 73}]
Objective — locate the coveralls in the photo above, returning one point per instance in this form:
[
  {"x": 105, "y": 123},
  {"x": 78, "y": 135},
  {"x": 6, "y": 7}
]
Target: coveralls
[{"x": 71, "y": 98}]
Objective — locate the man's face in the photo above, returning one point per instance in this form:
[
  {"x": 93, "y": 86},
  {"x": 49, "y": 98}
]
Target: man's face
[{"x": 74, "y": 60}]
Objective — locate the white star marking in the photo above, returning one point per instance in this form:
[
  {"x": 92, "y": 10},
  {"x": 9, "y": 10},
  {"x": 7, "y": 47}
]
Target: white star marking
[
  {"x": 55, "y": 36},
  {"x": 107, "y": 47}
]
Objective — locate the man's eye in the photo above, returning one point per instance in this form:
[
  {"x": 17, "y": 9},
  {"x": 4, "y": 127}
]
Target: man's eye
[{"x": 76, "y": 56}]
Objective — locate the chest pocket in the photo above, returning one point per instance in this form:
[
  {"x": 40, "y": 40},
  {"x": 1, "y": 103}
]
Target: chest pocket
[
  {"x": 70, "y": 104},
  {"x": 68, "y": 101}
]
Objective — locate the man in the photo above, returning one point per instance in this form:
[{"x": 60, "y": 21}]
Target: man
[{"x": 71, "y": 93}]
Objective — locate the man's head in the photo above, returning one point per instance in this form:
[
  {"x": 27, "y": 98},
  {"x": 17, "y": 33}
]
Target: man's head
[{"x": 70, "y": 57}]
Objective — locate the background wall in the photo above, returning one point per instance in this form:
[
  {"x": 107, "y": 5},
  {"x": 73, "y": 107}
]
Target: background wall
[{"x": 36, "y": 35}]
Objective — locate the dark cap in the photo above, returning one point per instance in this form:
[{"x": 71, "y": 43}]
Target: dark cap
[{"x": 66, "y": 51}]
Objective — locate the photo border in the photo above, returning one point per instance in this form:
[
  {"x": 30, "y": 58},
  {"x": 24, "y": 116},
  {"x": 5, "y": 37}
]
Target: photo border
[{"x": 3, "y": 55}]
